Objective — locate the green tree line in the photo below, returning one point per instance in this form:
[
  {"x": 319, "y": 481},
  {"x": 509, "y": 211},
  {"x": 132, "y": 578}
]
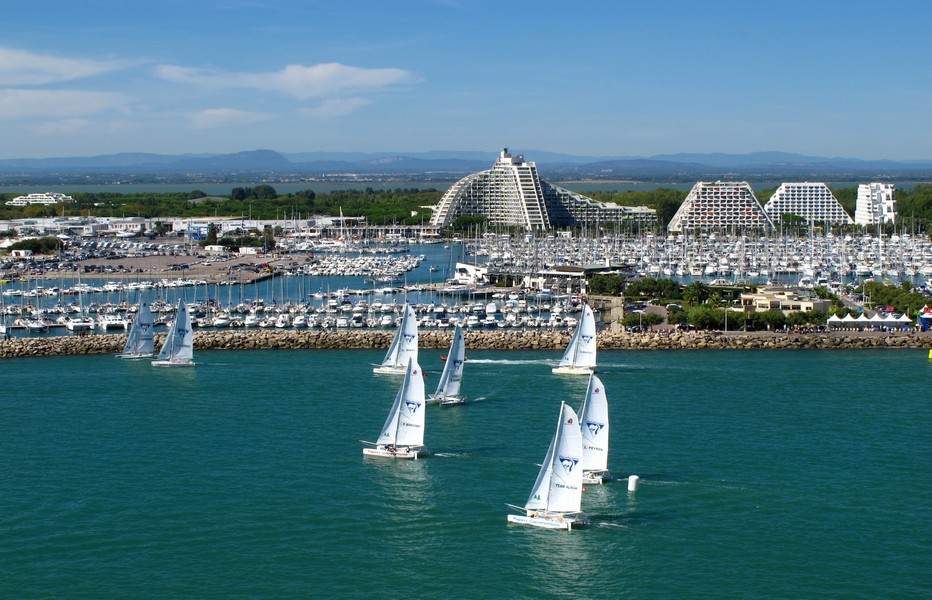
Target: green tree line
[{"x": 399, "y": 205}]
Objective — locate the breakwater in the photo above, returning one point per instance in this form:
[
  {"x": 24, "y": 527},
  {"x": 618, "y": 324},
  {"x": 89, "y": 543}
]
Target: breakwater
[{"x": 259, "y": 339}]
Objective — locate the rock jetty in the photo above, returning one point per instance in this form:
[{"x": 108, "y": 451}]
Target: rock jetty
[{"x": 262, "y": 339}]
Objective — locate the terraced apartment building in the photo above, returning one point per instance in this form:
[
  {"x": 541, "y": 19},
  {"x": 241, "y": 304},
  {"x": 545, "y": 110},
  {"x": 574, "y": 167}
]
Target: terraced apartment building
[
  {"x": 813, "y": 202},
  {"x": 512, "y": 193}
]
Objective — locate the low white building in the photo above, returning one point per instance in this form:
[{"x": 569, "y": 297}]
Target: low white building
[{"x": 43, "y": 198}]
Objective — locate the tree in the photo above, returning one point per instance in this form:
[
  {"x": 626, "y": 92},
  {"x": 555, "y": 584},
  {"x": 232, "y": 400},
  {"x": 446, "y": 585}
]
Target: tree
[
  {"x": 696, "y": 293},
  {"x": 211, "y": 238},
  {"x": 643, "y": 320},
  {"x": 609, "y": 284}
]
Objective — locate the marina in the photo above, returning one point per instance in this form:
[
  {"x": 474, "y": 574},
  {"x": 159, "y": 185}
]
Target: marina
[{"x": 354, "y": 288}]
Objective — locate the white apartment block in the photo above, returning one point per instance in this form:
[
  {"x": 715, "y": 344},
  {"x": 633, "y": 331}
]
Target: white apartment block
[
  {"x": 876, "y": 204},
  {"x": 512, "y": 193},
  {"x": 720, "y": 205},
  {"x": 814, "y": 202},
  {"x": 46, "y": 198}
]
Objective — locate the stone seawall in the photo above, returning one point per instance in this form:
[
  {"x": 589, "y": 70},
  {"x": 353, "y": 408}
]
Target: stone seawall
[{"x": 258, "y": 339}]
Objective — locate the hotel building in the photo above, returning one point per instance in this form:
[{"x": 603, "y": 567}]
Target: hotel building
[
  {"x": 876, "y": 204},
  {"x": 720, "y": 205},
  {"x": 48, "y": 198},
  {"x": 512, "y": 193},
  {"x": 814, "y": 202}
]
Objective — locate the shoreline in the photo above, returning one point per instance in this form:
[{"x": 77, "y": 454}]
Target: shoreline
[{"x": 273, "y": 339}]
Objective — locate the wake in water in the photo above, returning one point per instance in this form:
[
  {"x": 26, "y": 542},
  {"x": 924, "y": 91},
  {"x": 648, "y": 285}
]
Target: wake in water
[{"x": 489, "y": 361}]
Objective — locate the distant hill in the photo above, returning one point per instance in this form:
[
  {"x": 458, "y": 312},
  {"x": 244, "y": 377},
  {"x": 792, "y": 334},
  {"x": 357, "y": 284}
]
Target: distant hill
[{"x": 682, "y": 167}]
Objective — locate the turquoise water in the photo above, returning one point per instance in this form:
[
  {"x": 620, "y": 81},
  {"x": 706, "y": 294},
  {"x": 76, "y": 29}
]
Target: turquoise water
[{"x": 791, "y": 474}]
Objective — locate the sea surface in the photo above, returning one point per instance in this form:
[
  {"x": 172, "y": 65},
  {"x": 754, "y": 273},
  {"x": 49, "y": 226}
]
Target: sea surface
[{"x": 763, "y": 474}]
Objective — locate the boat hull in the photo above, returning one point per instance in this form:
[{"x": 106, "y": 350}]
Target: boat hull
[
  {"x": 452, "y": 401},
  {"x": 596, "y": 477},
  {"x": 396, "y": 452},
  {"x": 573, "y": 370},
  {"x": 566, "y": 522},
  {"x": 172, "y": 363},
  {"x": 390, "y": 370},
  {"x": 135, "y": 356}
]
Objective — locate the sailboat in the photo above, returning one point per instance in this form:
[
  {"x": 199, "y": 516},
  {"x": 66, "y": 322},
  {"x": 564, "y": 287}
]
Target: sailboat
[
  {"x": 178, "y": 349},
  {"x": 555, "y": 501},
  {"x": 593, "y": 421},
  {"x": 140, "y": 343},
  {"x": 403, "y": 433},
  {"x": 579, "y": 358},
  {"x": 448, "y": 389},
  {"x": 404, "y": 345}
]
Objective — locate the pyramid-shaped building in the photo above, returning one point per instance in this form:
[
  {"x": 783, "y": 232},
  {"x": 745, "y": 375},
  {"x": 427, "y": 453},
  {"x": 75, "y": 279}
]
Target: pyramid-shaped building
[
  {"x": 814, "y": 202},
  {"x": 512, "y": 193},
  {"x": 720, "y": 205}
]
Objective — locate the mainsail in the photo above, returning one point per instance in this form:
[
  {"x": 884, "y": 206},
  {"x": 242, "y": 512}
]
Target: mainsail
[
  {"x": 581, "y": 351},
  {"x": 452, "y": 376},
  {"x": 593, "y": 422},
  {"x": 179, "y": 344},
  {"x": 404, "y": 344},
  {"x": 558, "y": 488},
  {"x": 140, "y": 340},
  {"x": 405, "y": 423}
]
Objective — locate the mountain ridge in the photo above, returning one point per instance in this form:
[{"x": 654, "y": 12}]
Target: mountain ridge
[{"x": 453, "y": 162}]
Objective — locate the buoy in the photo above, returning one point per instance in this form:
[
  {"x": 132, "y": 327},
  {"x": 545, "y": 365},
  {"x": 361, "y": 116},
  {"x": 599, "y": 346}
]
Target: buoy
[
  {"x": 633, "y": 483},
  {"x": 930, "y": 354}
]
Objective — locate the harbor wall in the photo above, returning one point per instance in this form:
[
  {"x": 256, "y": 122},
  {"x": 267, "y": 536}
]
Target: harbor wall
[{"x": 263, "y": 339}]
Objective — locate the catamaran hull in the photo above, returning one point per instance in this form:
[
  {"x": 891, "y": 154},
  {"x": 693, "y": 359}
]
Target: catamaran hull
[
  {"x": 573, "y": 370},
  {"x": 135, "y": 356},
  {"x": 390, "y": 370},
  {"x": 445, "y": 400},
  {"x": 394, "y": 452},
  {"x": 171, "y": 363},
  {"x": 549, "y": 522},
  {"x": 595, "y": 477}
]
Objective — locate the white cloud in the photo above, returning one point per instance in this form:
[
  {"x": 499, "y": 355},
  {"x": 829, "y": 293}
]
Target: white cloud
[
  {"x": 335, "y": 107},
  {"x": 64, "y": 127},
  {"x": 298, "y": 81},
  {"x": 56, "y": 104},
  {"x": 18, "y": 67},
  {"x": 218, "y": 117}
]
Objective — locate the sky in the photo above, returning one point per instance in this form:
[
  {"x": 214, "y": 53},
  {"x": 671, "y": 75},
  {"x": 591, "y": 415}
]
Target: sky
[{"x": 600, "y": 78}]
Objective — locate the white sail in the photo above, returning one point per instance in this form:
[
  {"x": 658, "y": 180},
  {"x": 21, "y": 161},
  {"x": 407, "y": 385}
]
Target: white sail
[
  {"x": 404, "y": 344},
  {"x": 141, "y": 339},
  {"x": 405, "y": 423},
  {"x": 178, "y": 348},
  {"x": 452, "y": 376},
  {"x": 558, "y": 488},
  {"x": 580, "y": 354},
  {"x": 593, "y": 422}
]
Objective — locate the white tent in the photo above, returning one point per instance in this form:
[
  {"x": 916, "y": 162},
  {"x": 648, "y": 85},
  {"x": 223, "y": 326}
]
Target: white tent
[{"x": 862, "y": 320}]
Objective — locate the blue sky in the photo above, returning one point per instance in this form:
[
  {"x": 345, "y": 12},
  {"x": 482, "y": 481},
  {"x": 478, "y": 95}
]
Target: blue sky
[{"x": 609, "y": 78}]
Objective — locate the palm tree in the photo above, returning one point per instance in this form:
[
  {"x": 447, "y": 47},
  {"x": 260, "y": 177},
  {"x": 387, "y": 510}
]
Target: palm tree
[{"x": 696, "y": 293}]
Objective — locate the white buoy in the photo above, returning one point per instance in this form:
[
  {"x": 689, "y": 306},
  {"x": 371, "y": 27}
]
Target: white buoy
[{"x": 633, "y": 483}]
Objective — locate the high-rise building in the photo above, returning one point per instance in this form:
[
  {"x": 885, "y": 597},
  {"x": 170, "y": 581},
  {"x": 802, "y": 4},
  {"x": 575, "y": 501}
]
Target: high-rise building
[
  {"x": 876, "y": 204},
  {"x": 512, "y": 193},
  {"x": 814, "y": 202},
  {"x": 720, "y": 205}
]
